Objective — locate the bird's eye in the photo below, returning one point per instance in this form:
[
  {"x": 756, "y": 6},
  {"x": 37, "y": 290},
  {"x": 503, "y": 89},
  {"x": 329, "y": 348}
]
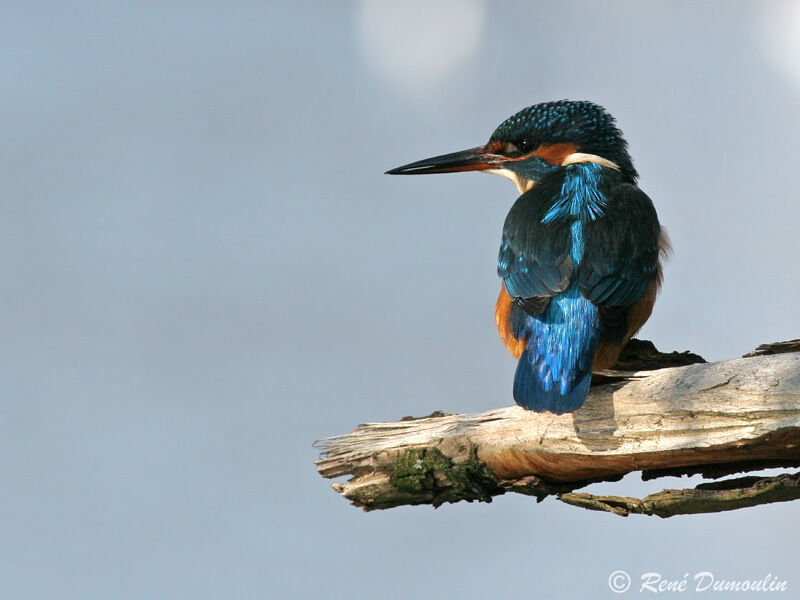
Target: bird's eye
[{"x": 524, "y": 145}]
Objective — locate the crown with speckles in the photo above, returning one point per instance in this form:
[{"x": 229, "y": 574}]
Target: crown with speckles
[{"x": 589, "y": 126}]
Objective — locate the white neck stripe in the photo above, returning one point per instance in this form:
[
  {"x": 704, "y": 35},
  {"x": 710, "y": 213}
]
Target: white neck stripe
[{"x": 580, "y": 157}]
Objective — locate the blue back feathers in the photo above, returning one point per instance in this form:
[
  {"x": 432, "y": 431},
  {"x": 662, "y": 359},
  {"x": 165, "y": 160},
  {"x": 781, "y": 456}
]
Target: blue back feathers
[{"x": 555, "y": 369}]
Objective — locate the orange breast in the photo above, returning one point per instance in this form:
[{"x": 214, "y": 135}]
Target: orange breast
[{"x": 502, "y": 315}]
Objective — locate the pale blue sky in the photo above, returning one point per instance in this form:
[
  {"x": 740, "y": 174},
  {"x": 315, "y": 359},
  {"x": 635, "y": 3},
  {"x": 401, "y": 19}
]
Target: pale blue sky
[{"x": 203, "y": 269}]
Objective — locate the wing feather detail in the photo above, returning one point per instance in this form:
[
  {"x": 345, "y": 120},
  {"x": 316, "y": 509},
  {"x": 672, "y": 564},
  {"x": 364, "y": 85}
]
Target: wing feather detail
[{"x": 534, "y": 260}]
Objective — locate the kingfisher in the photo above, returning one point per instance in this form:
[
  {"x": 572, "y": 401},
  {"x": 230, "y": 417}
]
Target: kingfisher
[{"x": 581, "y": 250}]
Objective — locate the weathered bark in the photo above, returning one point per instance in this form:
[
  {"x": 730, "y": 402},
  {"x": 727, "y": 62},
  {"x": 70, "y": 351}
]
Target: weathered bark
[
  {"x": 714, "y": 419},
  {"x": 775, "y": 348},
  {"x": 705, "y": 498}
]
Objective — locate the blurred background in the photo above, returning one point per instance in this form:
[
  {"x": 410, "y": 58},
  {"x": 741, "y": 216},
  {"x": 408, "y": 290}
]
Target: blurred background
[{"x": 203, "y": 270}]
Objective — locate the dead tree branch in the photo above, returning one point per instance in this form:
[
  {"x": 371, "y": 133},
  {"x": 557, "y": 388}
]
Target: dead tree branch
[{"x": 712, "y": 418}]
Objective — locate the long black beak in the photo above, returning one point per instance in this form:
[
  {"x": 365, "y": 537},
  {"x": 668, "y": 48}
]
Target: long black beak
[{"x": 474, "y": 159}]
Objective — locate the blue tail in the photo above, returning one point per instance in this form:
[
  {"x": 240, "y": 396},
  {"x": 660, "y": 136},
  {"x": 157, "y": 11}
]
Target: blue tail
[
  {"x": 535, "y": 389},
  {"x": 555, "y": 370}
]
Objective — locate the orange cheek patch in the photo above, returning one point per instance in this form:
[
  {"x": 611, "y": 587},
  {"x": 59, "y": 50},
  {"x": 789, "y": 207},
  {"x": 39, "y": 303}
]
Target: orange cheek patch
[
  {"x": 555, "y": 153},
  {"x": 496, "y": 147},
  {"x": 502, "y": 316}
]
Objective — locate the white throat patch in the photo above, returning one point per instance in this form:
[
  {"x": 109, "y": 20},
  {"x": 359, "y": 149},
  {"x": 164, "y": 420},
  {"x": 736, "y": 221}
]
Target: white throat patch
[{"x": 523, "y": 183}]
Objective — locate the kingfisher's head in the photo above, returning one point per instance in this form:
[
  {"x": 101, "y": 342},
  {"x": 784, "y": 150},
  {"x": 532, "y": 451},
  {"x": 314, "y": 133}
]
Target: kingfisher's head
[{"x": 537, "y": 140}]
